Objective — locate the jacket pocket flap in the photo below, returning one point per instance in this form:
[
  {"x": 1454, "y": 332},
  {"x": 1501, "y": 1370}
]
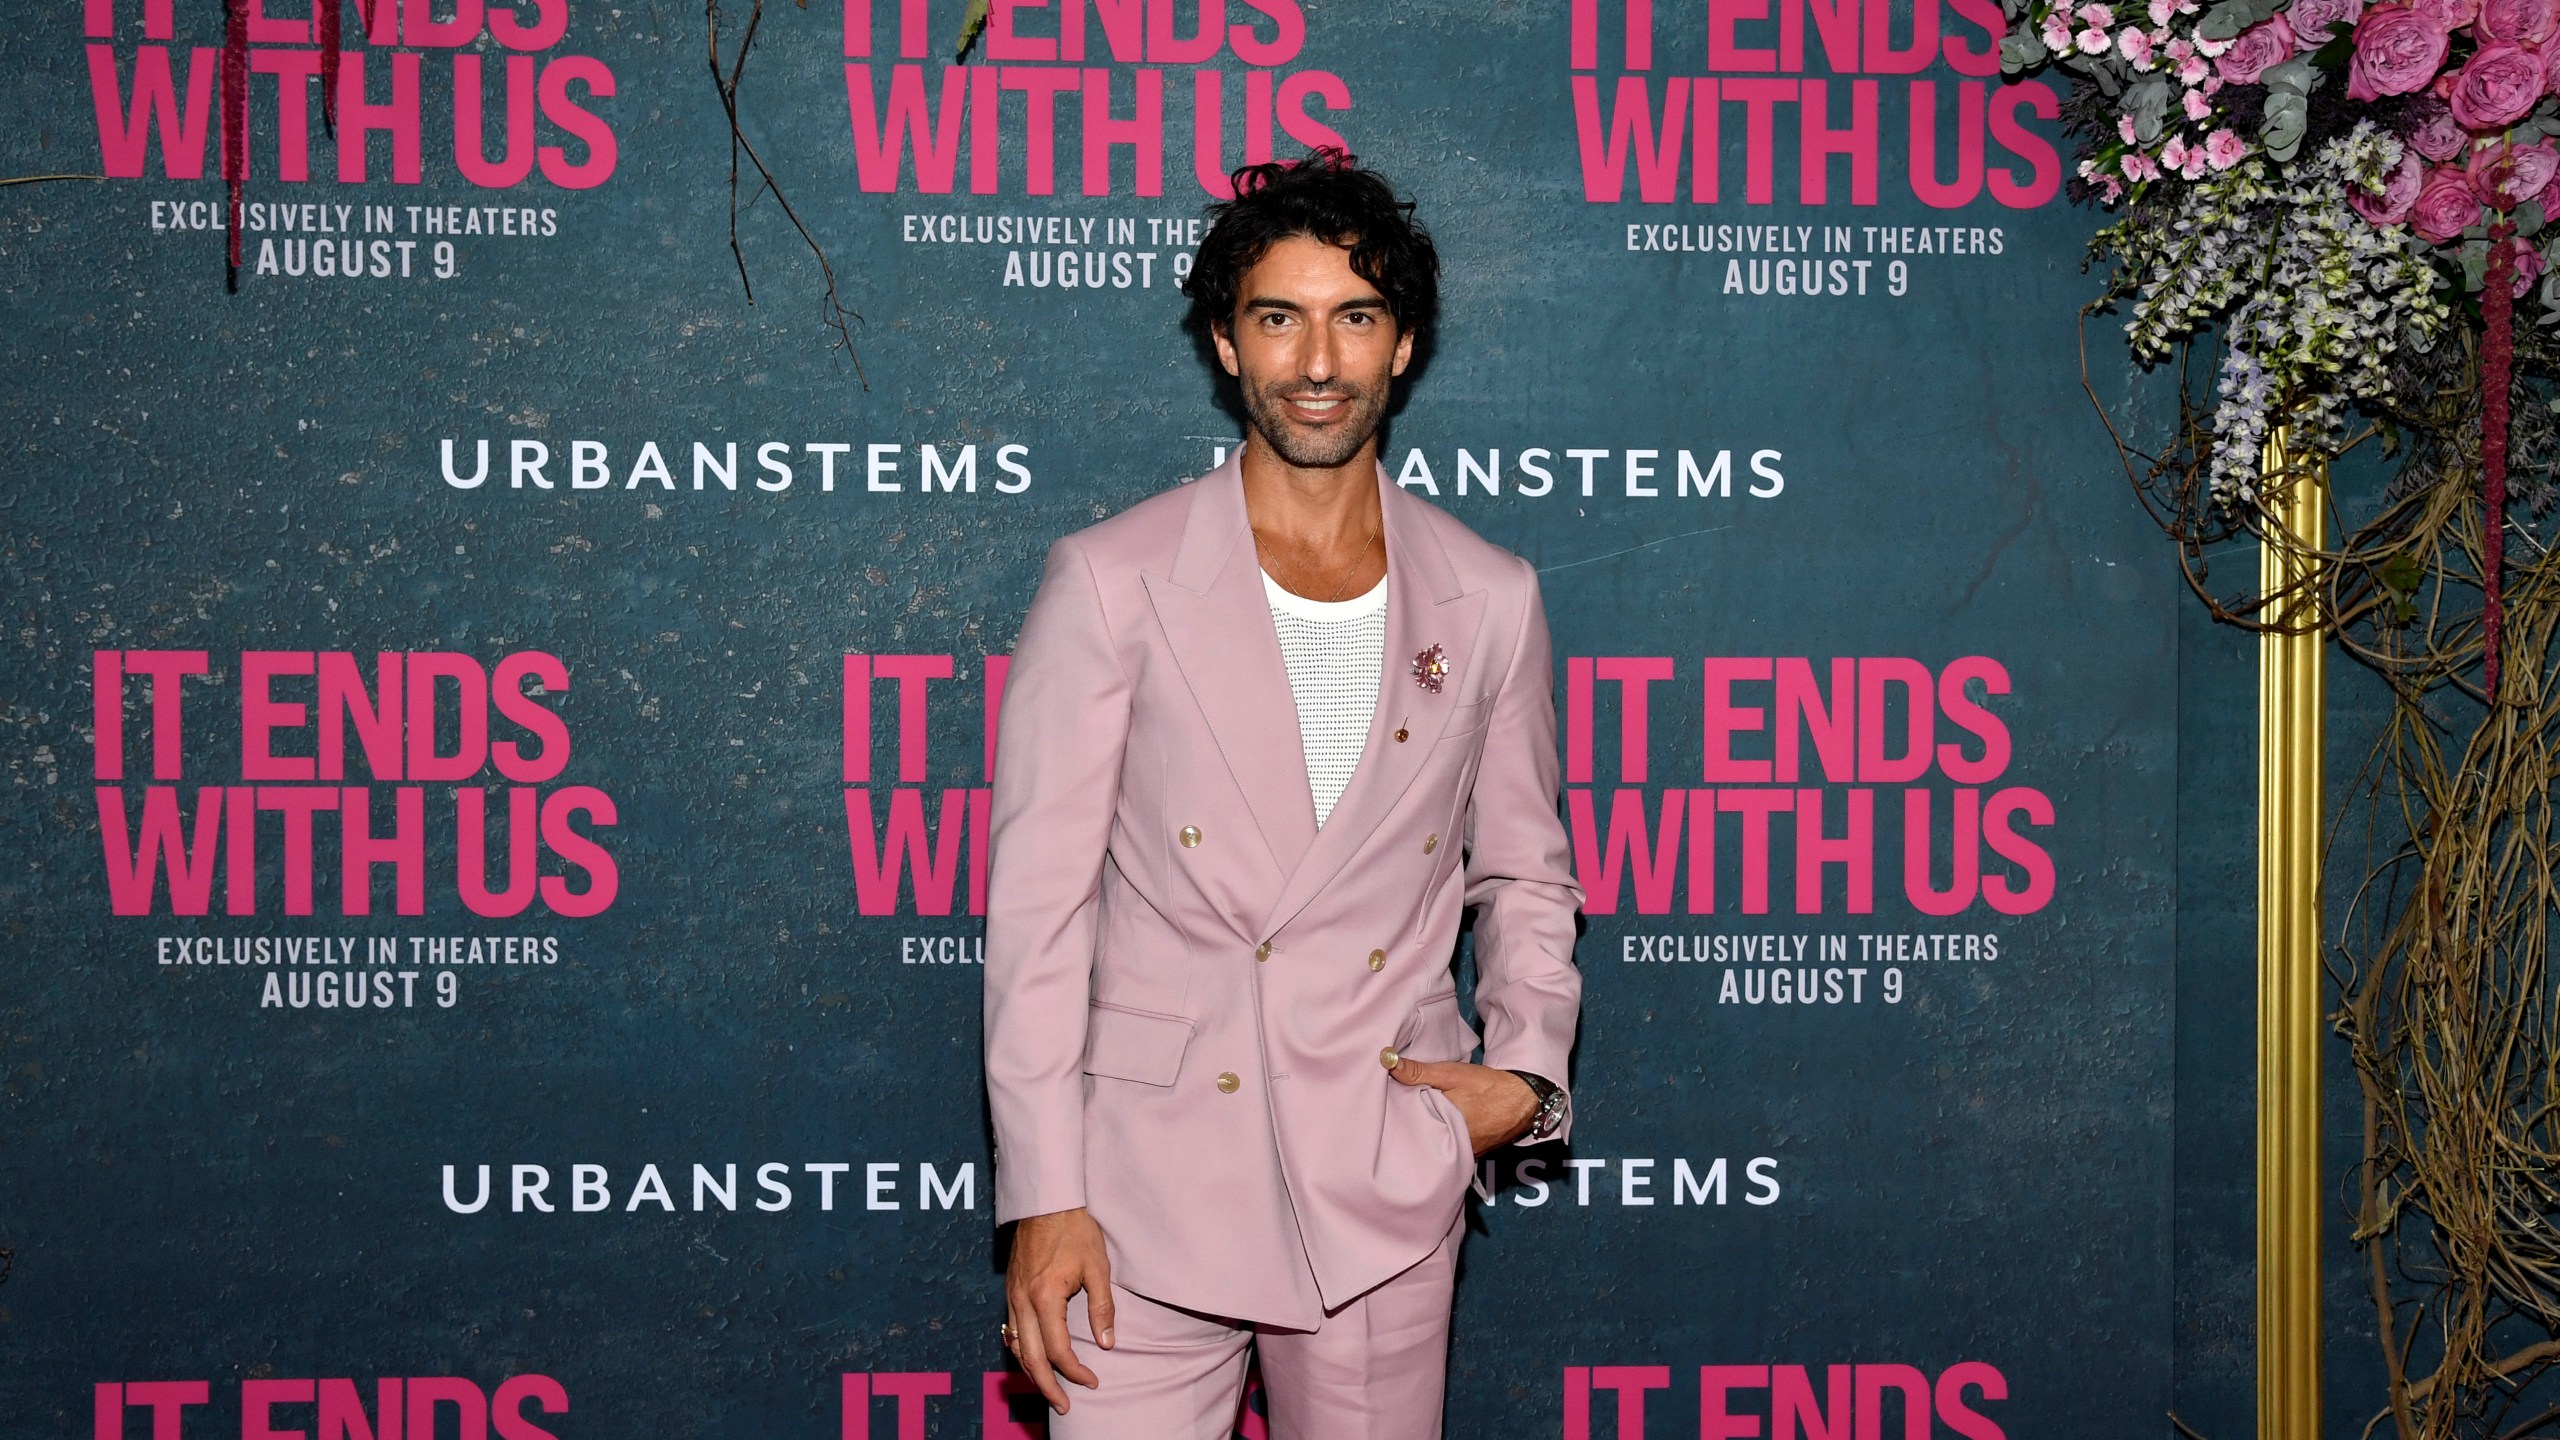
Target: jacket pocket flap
[
  {"x": 1436, "y": 1030},
  {"x": 1468, "y": 716},
  {"x": 1139, "y": 1045}
]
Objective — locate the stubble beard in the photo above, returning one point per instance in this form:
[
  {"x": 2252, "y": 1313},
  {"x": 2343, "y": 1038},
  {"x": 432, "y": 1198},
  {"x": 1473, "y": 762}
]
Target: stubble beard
[{"x": 1322, "y": 450}]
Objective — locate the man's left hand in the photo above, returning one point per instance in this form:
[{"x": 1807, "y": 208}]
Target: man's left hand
[{"x": 1499, "y": 1105}]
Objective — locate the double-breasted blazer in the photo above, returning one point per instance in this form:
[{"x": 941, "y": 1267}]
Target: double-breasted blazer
[{"x": 1188, "y": 983}]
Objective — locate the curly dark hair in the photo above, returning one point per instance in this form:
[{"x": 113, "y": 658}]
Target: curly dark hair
[{"x": 1329, "y": 197}]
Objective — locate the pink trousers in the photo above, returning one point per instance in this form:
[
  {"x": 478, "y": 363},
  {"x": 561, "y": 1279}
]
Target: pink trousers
[{"x": 1375, "y": 1370}]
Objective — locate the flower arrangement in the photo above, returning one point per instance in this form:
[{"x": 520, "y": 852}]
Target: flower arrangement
[
  {"x": 2344, "y": 205},
  {"x": 2328, "y": 186}
]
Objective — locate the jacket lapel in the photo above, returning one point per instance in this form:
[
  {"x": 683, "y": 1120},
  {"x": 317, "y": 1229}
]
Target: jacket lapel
[
  {"x": 1424, "y": 608},
  {"x": 1218, "y": 623}
]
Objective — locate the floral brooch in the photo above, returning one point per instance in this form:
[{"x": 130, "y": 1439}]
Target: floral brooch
[{"x": 1430, "y": 668}]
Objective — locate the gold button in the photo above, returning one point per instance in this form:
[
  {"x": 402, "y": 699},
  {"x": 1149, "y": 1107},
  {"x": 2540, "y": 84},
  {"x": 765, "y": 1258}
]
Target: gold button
[
  {"x": 1399, "y": 734},
  {"x": 1389, "y": 1058},
  {"x": 1190, "y": 835},
  {"x": 1430, "y": 842},
  {"x": 1262, "y": 951},
  {"x": 1377, "y": 959},
  {"x": 1227, "y": 1082}
]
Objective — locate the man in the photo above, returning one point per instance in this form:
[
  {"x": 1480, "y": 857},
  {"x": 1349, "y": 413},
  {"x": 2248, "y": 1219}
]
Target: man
[{"x": 1266, "y": 734}]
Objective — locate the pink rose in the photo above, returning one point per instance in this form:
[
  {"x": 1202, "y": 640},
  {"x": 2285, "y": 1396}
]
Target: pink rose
[
  {"x": 2315, "y": 22},
  {"x": 2434, "y": 133},
  {"x": 2527, "y": 262},
  {"x": 2398, "y": 195},
  {"x": 2505, "y": 176},
  {"x": 2397, "y": 51},
  {"x": 2496, "y": 87},
  {"x": 2449, "y": 15},
  {"x": 2522, "y": 22},
  {"x": 2269, "y": 42},
  {"x": 2446, "y": 206},
  {"x": 2551, "y": 69}
]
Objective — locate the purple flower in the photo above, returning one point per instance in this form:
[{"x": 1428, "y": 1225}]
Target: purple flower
[
  {"x": 2315, "y": 22},
  {"x": 2446, "y": 205},
  {"x": 2496, "y": 87},
  {"x": 2433, "y": 132},
  {"x": 2398, "y": 195},
  {"x": 2505, "y": 176},
  {"x": 2398, "y": 50},
  {"x": 2269, "y": 42},
  {"x": 2521, "y": 22}
]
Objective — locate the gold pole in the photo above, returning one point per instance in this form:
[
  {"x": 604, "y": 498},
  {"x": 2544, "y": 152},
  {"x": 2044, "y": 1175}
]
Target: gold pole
[{"x": 2292, "y": 683}]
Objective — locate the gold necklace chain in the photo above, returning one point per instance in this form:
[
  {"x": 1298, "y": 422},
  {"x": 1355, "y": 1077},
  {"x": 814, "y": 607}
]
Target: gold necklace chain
[{"x": 1345, "y": 584}]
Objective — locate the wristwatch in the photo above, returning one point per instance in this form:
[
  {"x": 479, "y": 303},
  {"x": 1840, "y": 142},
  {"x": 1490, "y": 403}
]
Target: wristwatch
[{"x": 1550, "y": 1108}]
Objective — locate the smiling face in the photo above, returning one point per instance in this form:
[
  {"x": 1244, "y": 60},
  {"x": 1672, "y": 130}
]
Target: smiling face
[{"x": 1314, "y": 349}]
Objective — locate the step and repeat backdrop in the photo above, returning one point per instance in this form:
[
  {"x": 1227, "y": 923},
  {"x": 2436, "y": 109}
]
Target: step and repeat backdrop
[{"x": 515, "y": 518}]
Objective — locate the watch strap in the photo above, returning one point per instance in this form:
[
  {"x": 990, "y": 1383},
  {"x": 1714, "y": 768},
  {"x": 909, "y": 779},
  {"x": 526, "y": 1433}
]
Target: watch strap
[{"x": 1551, "y": 1098}]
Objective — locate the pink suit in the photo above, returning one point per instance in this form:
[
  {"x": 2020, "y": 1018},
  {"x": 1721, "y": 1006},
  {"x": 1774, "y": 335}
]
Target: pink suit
[{"x": 1188, "y": 984}]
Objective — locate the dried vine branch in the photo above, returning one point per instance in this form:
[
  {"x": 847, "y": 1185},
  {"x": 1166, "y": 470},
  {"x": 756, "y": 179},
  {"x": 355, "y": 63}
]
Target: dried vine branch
[
  {"x": 2442, "y": 959},
  {"x": 832, "y": 310}
]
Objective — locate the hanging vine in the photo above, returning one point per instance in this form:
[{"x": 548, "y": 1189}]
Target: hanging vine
[{"x": 725, "y": 77}]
